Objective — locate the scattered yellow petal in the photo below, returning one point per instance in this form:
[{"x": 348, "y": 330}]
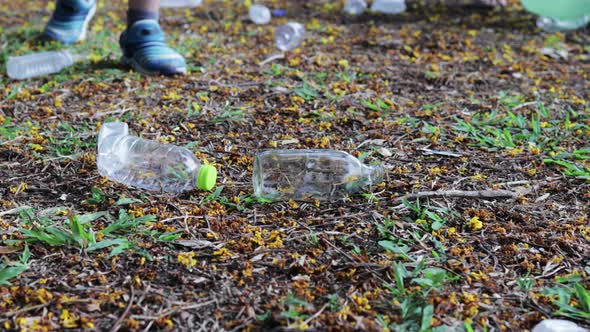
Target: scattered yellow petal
[{"x": 475, "y": 224}]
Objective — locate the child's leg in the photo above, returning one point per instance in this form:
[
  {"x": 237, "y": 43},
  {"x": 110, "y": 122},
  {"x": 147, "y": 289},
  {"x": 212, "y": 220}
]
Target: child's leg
[
  {"x": 150, "y": 5},
  {"x": 69, "y": 21},
  {"x": 142, "y": 10},
  {"x": 144, "y": 44}
]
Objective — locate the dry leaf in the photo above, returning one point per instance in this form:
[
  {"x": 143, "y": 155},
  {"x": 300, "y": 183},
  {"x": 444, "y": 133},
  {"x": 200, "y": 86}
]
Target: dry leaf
[{"x": 8, "y": 250}]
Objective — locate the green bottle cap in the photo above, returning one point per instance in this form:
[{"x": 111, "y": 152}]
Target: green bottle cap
[
  {"x": 207, "y": 177},
  {"x": 562, "y": 9}
]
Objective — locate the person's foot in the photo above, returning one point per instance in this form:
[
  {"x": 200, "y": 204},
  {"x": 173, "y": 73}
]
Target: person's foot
[
  {"x": 494, "y": 2},
  {"x": 69, "y": 21},
  {"x": 145, "y": 50}
]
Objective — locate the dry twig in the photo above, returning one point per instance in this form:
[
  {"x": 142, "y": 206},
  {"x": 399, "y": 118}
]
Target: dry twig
[
  {"x": 272, "y": 58},
  {"x": 119, "y": 321},
  {"x": 26, "y": 309},
  {"x": 462, "y": 194},
  {"x": 173, "y": 310}
]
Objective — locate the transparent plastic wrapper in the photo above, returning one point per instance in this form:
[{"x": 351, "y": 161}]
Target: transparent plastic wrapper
[
  {"x": 180, "y": 3},
  {"x": 289, "y": 36},
  {"x": 558, "y": 325},
  {"x": 355, "y": 7},
  {"x": 149, "y": 165},
  {"x": 389, "y": 6},
  {"x": 39, "y": 64},
  {"x": 554, "y": 25},
  {"x": 259, "y": 14},
  {"x": 280, "y": 175}
]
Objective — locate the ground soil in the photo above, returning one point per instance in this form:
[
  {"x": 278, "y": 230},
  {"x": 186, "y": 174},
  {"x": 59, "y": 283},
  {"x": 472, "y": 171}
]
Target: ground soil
[{"x": 425, "y": 69}]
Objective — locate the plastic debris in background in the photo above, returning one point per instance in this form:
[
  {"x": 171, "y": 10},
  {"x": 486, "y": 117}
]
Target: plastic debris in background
[
  {"x": 42, "y": 63},
  {"x": 289, "y": 36}
]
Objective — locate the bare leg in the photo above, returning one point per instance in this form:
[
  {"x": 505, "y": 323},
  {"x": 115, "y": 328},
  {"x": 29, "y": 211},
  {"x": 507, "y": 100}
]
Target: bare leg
[{"x": 142, "y": 10}]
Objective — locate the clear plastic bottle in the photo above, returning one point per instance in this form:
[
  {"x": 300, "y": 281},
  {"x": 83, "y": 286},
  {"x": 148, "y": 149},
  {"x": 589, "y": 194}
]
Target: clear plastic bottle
[
  {"x": 289, "y": 36},
  {"x": 38, "y": 64},
  {"x": 355, "y": 7},
  {"x": 549, "y": 24},
  {"x": 558, "y": 325},
  {"x": 303, "y": 174},
  {"x": 259, "y": 14},
  {"x": 149, "y": 165},
  {"x": 180, "y": 3},
  {"x": 389, "y": 6}
]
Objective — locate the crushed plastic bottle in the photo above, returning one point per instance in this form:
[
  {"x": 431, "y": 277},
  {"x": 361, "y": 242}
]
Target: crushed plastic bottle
[
  {"x": 149, "y": 165},
  {"x": 289, "y": 36},
  {"x": 259, "y": 14},
  {"x": 558, "y": 325},
  {"x": 39, "y": 64},
  {"x": 303, "y": 174},
  {"x": 549, "y": 24},
  {"x": 180, "y": 3},
  {"x": 355, "y": 7},
  {"x": 389, "y": 6}
]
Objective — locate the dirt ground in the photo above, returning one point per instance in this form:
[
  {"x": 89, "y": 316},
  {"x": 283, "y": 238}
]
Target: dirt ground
[{"x": 448, "y": 96}]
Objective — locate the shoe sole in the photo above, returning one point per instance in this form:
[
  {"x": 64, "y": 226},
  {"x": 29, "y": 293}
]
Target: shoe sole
[{"x": 138, "y": 68}]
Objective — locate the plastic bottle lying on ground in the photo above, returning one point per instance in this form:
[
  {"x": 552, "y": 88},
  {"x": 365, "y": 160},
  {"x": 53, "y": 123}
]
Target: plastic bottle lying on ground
[
  {"x": 38, "y": 64},
  {"x": 180, "y": 3},
  {"x": 549, "y": 24},
  {"x": 303, "y": 174},
  {"x": 259, "y": 14},
  {"x": 149, "y": 165},
  {"x": 558, "y": 325},
  {"x": 289, "y": 36},
  {"x": 355, "y": 7},
  {"x": 389, "y": 6}
]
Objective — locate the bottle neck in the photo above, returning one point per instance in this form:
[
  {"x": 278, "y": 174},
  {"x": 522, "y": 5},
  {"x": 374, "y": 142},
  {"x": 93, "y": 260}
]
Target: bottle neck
[
  {"x": 75, "y": 56},
  {"x": 110, "y": 132},
  {"x": 373, "y": 174}
]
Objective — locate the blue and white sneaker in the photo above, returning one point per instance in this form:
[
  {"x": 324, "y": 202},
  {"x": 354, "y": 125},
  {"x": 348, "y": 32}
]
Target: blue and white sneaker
[
  {"x": 145, "y": 50},
  {"x": 69, "y": 21}
]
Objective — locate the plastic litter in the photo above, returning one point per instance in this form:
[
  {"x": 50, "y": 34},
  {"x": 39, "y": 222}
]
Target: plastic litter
[
  {"x": 389, "y": 6},
  {"x": 180, "y": 3},
  {"x": 549, "y": 24},
  {"x": 149, "y": 165},
  {"x": 558, "y": 325},
  {"x": 39, "y": 64},
  {"x": 355, "y": 7},
  {"x": 279, "y": 13},
  {"x": 303, "y": 174},
  {"x": 259, "y": 14},
  {"x": 289, "y": 36}
]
